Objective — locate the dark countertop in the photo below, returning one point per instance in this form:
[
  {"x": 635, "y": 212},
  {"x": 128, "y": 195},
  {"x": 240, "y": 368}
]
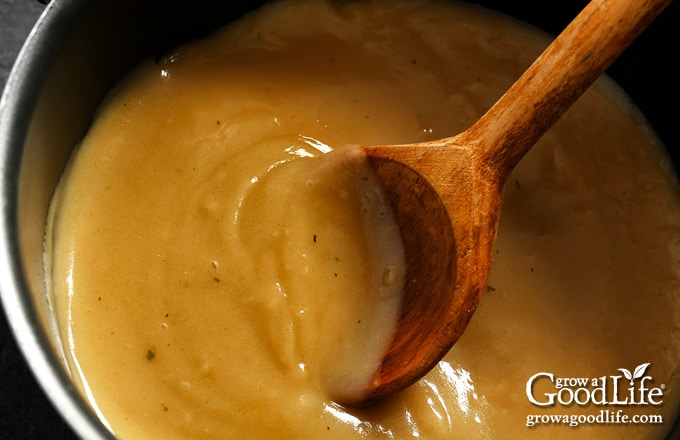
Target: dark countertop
[{"x": 25, "y": 412}]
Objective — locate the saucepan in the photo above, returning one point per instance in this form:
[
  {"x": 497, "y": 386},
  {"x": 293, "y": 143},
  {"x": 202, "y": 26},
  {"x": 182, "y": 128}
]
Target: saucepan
[{"x": 77, "y": 52}]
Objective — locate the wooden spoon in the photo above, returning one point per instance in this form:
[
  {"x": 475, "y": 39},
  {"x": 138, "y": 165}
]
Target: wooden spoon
[{"x": 446, "y": 194}]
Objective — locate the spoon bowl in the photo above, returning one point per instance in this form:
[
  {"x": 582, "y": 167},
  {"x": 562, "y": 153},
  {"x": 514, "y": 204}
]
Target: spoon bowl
[{"x": 446, "y": 195}]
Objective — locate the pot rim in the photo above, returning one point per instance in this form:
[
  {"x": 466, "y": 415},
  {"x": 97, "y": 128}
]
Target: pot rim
[{"x": 17, "y": 104}]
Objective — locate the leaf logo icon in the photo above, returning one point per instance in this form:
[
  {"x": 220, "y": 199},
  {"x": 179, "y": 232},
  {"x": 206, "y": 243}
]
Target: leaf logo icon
[
  {"x": 640, "y": 370},
  {"x": 627, "y": 374},
  {"x": 636, "y": 374}
]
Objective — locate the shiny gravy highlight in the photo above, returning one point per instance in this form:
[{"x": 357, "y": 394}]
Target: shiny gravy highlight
[{"x": 211, "y": 279}]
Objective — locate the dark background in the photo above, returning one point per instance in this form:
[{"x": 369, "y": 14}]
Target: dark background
[{"x": 25, "y": 412}]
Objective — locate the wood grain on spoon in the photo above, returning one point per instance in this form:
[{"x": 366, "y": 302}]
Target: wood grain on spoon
[{"x": 447, "y": 194}]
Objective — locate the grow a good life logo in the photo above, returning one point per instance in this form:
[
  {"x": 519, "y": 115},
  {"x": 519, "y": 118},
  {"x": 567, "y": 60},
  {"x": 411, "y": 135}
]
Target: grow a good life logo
[{"x": 630, "y": 388}]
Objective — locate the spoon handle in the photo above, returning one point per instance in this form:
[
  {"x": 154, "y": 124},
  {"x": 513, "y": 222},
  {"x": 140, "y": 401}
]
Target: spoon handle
[{"x": 558, "y": 77}]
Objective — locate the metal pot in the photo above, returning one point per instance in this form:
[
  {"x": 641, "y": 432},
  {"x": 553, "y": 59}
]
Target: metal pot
[{"x": 80, "y": 48}]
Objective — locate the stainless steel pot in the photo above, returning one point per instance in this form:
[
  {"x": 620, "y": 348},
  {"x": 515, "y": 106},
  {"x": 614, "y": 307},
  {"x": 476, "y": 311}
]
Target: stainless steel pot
[{"x": 77, "y": 52}]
